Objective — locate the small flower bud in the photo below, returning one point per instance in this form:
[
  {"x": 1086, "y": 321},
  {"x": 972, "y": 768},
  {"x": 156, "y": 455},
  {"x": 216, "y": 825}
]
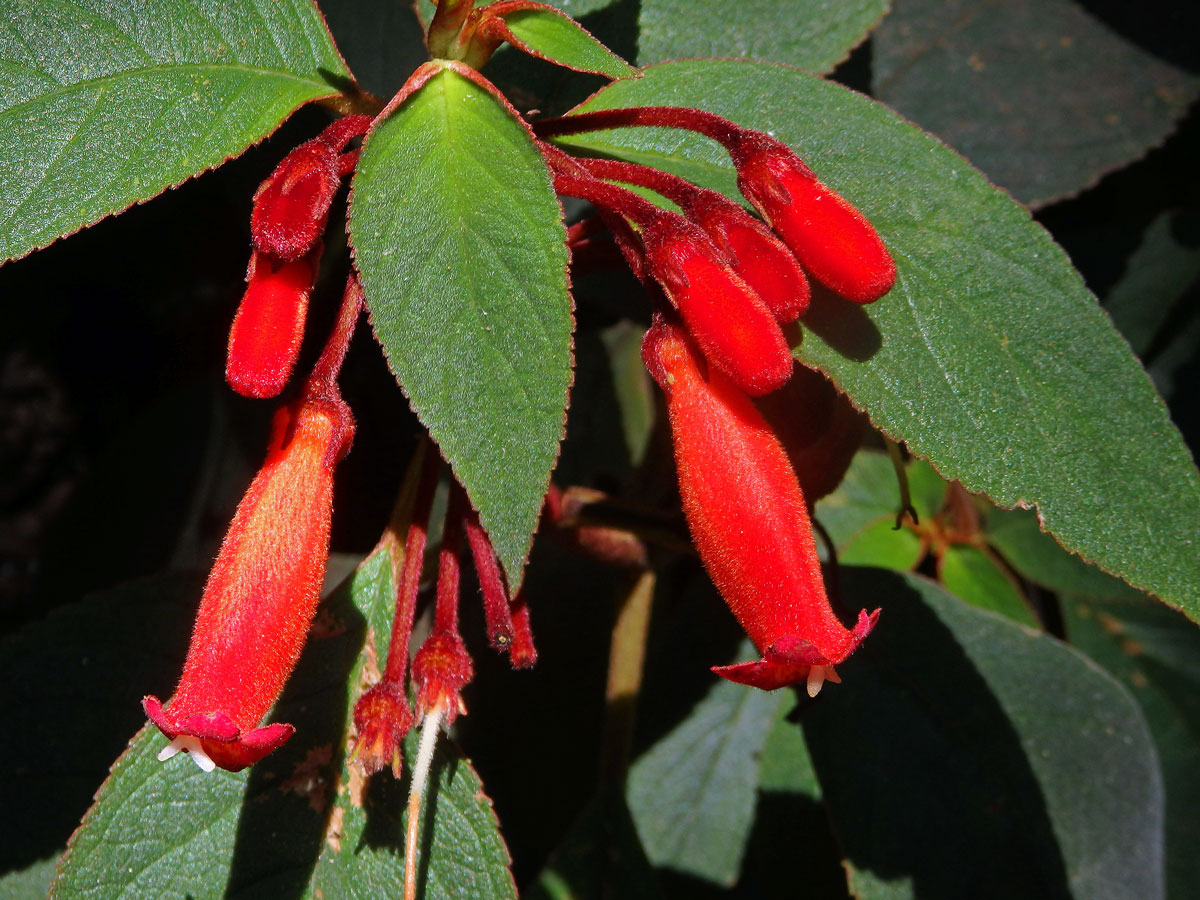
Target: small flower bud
[
  {"x": 729, "y": 321},
  {"x": 265, "y": 338},
  {"x": 762, "y": 260},
  {"x": 291, "y": 206},
  {"x": 833, "y": 241},
  {"x": 749, "y": 521}
]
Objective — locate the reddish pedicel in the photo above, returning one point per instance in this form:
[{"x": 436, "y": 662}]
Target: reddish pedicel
[
  {"x": 833, "y": 241},
  {"x": 260, "y": 597},
  {"x": 265, "y": 338},
  {"x": 291, "y": 206},
  {"x": 733, "y": 327},
  {"x": 749, "y": 522}
]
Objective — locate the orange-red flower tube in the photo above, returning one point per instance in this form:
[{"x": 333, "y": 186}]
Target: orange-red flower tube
[{"x": 749, "y": 521}]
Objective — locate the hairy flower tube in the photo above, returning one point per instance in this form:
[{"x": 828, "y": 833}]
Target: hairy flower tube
[
  {"x": 749, "y": 521},
  {"x": 263, "y": 590},
  {"x": 264, "y": 340}
]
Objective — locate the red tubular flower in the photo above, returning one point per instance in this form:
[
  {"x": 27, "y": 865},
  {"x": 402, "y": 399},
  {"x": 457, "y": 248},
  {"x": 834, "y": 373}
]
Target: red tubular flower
[
  {"x": 749, "y": 522},
  {"x": 263, "y": 590},
  {"x": 268, "y": 328},
  {"x": 833, "y": 241}
]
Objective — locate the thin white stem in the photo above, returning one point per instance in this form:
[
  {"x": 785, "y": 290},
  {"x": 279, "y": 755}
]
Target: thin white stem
[{"x": 430, "y": 727}]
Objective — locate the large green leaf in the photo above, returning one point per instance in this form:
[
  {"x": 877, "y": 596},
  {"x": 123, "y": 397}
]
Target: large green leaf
[
  {"x": 813, "y": 34},
  {"x": 1155, "y": 653},
  {"x": 298, "y": 824},
  {"x": 1043, "y": 95},
  {"x": 107, "y": 102},
  {"x": 692, "y": 794},
  {"x": 989, "y": 357},
  {"x": 459, "y": 241},
  {"x": 966, "y": 756}
]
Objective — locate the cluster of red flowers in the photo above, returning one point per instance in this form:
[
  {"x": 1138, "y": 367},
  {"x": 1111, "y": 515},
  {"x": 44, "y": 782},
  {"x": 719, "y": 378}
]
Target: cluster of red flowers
[{"x": 723, "y": 283}]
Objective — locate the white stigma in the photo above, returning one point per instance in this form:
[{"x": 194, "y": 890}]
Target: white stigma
[
  {"x": 185, "y": 743},
  {"x": 816, "y": 678}
]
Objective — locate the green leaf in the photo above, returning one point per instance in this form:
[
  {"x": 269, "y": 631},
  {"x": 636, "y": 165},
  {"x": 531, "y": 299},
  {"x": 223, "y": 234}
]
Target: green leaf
[
  {"x": 692, "y": 794},
  {"x": 989, "y": 357},
  {"x": 966, "y": 756},
  {"x": 978, "y": 75},
  {"x": 600, "y": 857},
  {"x": 974, "y": 575},
  {"x": 106, "y": 103},
  {"x": 459, "y": 241},
  {"x": 814, "y": 35},
  {"x": 298, "y": 823},
  {"x": 560, "y": 39},
  {"x": 860, "y": 516},
  {"x": 28, "y": 883},
  {"x": 1155, "y": 653}
]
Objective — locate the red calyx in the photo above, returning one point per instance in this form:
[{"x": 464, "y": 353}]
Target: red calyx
[
  {"x": 749, "y": 521},
  {"x": 832, "y": 240},
  {"x": 292, "y": 205},
  {"x": 268, "y": 328}
]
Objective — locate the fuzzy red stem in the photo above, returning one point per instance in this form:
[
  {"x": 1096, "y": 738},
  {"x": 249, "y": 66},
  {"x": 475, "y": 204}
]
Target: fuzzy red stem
[
  {"x": 410, "y": 575},
  {"x": 496, "y": 610}
]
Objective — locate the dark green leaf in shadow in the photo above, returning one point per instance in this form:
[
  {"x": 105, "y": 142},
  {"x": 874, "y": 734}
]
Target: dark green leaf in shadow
[
  {"x": 1157, "y": 275},
  {"x": 814, "y": 35},
  {"x": 1155, "y": 653},
  {"x": 975, "y": 576},
  {"x": 459, "y": 241},
  {"x": 966, "y": 756},
  {"x": 280, "y": 828},
  {"x": 106, "y": 103},
  {"x": 693, "y": 793},
  {"x": 30, "y": 883},
  {"x": 1041, "y": 94},
  {"x": 600, "y": 857},
  {"x": 989, "y": 357}
]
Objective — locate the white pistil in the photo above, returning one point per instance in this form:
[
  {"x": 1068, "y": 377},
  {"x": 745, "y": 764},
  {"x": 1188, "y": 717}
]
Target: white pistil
[
  {"x": 416, "y": 793},
  {"x": 185, "y": 743},
  {"x": 816, "y": 678}
]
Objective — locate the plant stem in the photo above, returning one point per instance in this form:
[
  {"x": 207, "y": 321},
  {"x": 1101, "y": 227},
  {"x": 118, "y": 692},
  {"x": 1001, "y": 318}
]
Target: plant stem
[
  {"x": 416, "y": 794},
  {"x": 625, "y": 657}
]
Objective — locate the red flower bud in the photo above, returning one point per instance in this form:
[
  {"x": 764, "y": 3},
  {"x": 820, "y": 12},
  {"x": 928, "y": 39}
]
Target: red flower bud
[
  {"x": 833, "y": 241},
  {"x": 749, "y": 521},
  {"x": 762, "y": 260},
  {"x": 260, "y": 597},
  {"x": 291, "y": 206},
  {"x": 268, "y": 328},
  {"x": 730, "y": 322}
]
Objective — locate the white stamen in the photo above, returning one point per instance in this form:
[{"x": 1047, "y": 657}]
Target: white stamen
[{"x": 185, "y": 743}]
